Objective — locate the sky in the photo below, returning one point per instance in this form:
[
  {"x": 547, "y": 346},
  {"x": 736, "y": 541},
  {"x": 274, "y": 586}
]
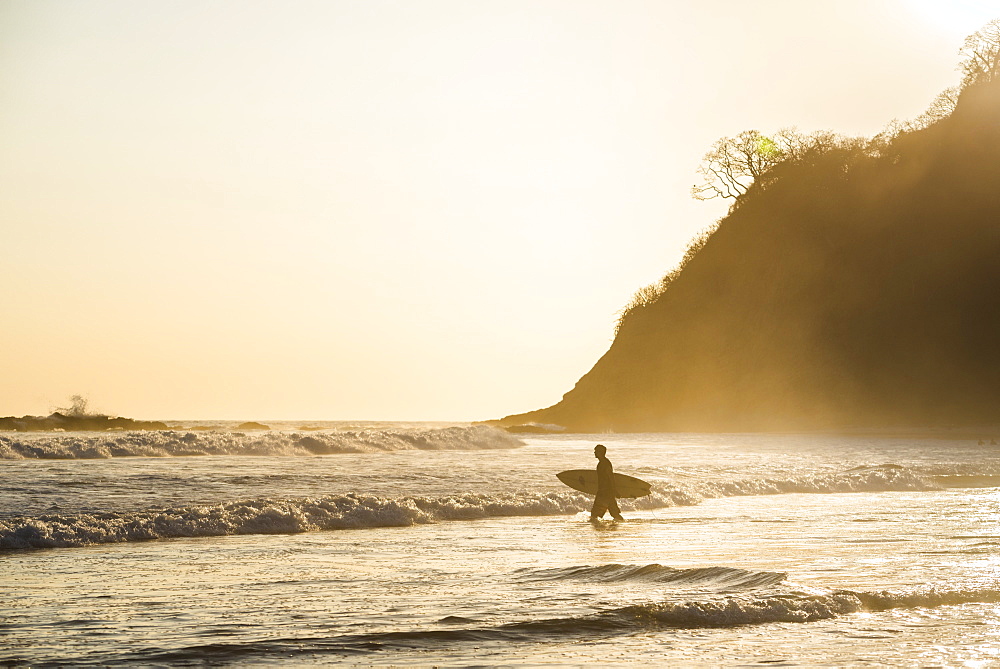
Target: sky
[{"x": 388, "y": 210}]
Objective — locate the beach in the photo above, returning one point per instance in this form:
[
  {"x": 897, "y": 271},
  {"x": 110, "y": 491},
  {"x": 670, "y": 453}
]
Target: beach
[{"x": 752, "y": 549}]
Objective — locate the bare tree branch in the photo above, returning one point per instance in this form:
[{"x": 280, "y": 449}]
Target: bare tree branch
[{"x": 981, "y": 55}]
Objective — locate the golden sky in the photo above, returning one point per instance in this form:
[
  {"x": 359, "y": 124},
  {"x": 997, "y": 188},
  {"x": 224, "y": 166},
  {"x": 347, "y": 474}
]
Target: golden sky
[{"x": 429, "y": 209}]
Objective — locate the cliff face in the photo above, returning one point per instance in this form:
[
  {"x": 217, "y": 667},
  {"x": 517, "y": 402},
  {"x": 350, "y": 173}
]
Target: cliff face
[{"x": 859, "y": 292}]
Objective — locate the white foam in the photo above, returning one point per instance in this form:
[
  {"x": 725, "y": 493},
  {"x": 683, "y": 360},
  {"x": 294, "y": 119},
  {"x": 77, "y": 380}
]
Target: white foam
[
  {"x": 273, "y": 516},
  {"x": 182, "y": 443},
  {"x": 874, "y": 479},
  {"x": 732, "y": 611},
  {"x": 283, "y": 516},
  {"x": 792, "y": 608}
]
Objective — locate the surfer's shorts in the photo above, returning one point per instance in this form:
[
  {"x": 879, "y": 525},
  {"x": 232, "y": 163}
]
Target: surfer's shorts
[{"x": 603, "y": 504}]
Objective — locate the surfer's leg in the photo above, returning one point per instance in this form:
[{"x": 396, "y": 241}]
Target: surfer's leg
[
  {"x": 599, "y": 509},
  {"x": 613, "y": 508}
]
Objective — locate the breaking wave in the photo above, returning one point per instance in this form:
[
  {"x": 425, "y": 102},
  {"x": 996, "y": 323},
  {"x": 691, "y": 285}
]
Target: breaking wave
[
  {"x": 277, "y": 516},
  {"x": 723, "y": 612},
  {"x": 791, "y": 608},
  {"x": 181, "y": 443},
  {"x": 870, "y": 479},
  {"x": 355, "y": 511},
  {"x": 726, "y": 578}
]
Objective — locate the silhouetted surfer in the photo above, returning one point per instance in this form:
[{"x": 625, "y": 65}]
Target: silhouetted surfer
[{"x": 605, "y": 500}]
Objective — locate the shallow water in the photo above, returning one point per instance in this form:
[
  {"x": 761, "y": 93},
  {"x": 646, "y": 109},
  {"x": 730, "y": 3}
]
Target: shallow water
[{"x": 465, "y": 557}]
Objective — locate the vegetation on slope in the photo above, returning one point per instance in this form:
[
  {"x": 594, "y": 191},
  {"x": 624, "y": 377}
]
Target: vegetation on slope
[{"x": 853, "y": 283}]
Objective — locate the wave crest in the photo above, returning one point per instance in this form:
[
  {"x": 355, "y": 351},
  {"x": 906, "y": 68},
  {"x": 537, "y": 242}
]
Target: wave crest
[
  {"x": 287, "y": 516},
  {"x": 172, "y": 443},
  {"x": 713, "y": 577},
  {"x": 277, "y": 516},
  {"x": 873, "y": 479},
  {"x": 715, "y": 613},
  {"x": 733, "y": 611}
]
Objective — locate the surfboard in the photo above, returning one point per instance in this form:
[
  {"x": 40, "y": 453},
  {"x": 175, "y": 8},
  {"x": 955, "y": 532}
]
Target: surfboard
[{"x": 585, "y": 480}]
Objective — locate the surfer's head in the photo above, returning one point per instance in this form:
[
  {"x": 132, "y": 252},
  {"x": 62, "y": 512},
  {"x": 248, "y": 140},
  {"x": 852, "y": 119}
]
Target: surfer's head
[{"x": 600, "y": 450}]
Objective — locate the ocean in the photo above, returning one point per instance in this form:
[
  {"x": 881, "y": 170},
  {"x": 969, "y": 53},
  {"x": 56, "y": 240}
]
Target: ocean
[{"x": 455, "y": 545}]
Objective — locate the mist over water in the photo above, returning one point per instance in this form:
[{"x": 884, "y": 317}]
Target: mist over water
[
  {"x": 419, "y": 544},
  {"x": 177, "y": 443}
]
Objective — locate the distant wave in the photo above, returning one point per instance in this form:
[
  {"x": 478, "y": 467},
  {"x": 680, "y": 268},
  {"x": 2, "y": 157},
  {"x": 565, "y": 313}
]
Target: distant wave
[
  {"x": 963, "y": 475},
  {"x": 981, "y": 468},
  {"x": 720, "y": 612},
  {"x": 726, "y": 578},
  {"x": 871, "y": 479},
  {"x": 182, "y": 443},
  {"x": 886, "y": 478},
  {"x": 277, "y": 516}
]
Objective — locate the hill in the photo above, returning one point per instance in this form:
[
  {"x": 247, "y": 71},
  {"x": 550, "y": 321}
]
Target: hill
[{"x": 852, "y": 289}]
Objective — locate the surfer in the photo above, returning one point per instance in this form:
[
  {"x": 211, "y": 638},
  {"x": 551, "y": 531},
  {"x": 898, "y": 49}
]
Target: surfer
[{"x": 605, "y": 500}]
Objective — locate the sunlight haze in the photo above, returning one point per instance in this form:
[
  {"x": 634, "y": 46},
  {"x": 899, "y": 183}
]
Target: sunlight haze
[{"x": 388, "y": 210}]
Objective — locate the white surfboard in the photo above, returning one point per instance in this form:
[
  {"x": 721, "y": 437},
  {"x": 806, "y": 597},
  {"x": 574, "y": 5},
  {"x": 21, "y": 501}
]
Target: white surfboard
[{"x": 585, "y": 480}]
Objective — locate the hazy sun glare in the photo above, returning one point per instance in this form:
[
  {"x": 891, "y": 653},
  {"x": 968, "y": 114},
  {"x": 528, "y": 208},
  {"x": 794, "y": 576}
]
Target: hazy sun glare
[
  {"x": 383, "y": 209},
  {"x": 957, "y": 17}
]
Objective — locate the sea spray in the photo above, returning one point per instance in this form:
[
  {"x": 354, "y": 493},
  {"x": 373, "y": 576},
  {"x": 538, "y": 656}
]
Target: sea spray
[
  {"x": 870, "y": 479},
  {"x": 277, "y": 516},
  {"x": 286, "y": 516},
  {"x": 177, "y": 443}
]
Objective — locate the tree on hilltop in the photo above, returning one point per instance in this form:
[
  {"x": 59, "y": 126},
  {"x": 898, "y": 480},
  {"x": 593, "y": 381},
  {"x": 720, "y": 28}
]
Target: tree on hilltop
[
  {"x": 734, "y": 164},
  {"x": 941, "y": 107},
  {"x": 981, "y": 55}
]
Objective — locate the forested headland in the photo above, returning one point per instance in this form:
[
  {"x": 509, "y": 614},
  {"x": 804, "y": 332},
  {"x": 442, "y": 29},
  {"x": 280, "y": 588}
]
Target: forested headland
[{"x": 854, "y": 283}]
